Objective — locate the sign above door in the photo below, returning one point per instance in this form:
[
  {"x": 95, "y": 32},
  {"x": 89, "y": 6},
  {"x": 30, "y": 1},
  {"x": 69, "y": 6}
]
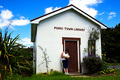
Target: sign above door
[{"x": 69, "y": 28}]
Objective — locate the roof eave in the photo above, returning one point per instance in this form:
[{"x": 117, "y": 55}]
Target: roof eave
[
  {"x": 37, "y": 20},
  {"x": 103, "y": 27},
  {"x": 90, "y": 17}
]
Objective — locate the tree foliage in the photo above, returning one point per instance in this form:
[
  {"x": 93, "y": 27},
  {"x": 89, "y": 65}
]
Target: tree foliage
[
  {"x": 111, "y": 43},
  {"x": 13, "y": 57}
]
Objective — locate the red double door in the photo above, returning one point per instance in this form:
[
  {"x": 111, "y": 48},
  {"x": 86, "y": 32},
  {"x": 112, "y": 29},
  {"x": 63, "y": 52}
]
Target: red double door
[{"x": 73, "y": 60}]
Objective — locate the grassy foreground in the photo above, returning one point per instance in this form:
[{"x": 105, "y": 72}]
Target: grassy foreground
[{"x": 61, "y": 76}]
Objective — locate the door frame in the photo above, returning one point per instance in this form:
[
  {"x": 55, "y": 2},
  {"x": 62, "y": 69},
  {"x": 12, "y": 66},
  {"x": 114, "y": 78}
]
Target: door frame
[{"x": 78, "y": 48}]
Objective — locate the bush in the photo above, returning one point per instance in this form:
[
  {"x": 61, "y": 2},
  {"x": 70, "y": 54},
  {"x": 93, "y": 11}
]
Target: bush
[
  {"x": 93, "y": 64},
  {"x": 107, "y": 71},
  {"x": 14, "y": 58}
]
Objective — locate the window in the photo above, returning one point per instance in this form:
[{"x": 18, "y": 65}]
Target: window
[{"x": 91, "y": 47}]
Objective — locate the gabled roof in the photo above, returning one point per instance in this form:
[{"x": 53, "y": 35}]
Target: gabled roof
[{"x": 38, "y": 19}]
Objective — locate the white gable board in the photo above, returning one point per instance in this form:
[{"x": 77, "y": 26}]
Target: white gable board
[{"x": 49, "y": 37}]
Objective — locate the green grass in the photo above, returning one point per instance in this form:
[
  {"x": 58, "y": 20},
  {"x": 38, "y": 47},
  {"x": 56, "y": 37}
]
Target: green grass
[
  {"x": 111, "y": 64},
  {"x": 61, "y": 76}
]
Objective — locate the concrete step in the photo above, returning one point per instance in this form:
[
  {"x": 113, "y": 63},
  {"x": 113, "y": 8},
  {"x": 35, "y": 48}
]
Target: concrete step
[{"x": 77, "y": 74}]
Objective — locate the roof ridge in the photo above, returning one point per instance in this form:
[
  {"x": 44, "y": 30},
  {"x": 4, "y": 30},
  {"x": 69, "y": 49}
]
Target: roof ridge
[
  {"x": 66, "y": 7},
  {"x": 52, "y": 12}
]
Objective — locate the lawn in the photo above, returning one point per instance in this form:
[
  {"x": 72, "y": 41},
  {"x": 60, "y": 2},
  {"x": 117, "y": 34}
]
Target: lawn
[
  {"x": 61, "y": 76},
  {"x": 111, "y": 64}
]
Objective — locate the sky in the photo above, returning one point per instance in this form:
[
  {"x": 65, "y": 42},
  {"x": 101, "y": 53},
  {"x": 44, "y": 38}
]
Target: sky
[{"x": 18, "y": 13}]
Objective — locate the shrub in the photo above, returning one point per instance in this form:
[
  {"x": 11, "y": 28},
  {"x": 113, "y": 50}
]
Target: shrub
[
  {"x": 92, "y": 64},
  {"x": 107, "y": 71},
  {"x": 14, "y": 58}
]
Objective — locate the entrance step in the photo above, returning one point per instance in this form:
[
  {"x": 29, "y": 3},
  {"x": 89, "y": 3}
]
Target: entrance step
[{"x": 77, "y": 74}]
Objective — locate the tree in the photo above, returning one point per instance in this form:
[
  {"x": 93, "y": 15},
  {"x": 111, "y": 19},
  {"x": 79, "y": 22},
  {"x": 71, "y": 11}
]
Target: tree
[
  {"x": 111, "y": 43},
  {"x": 45, "y": 57}
]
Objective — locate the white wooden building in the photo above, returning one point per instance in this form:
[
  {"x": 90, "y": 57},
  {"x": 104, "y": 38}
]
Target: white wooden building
[{"x": 65, "y": 28}]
